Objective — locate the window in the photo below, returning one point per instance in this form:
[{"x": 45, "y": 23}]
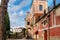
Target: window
[
  {"x": 28, "y": 23},
  {"x": 40, "y": 7},
  {"x": 45, "y": 22}
]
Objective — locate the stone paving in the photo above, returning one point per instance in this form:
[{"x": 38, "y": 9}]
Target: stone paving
[{"x": 19, "y": 39}]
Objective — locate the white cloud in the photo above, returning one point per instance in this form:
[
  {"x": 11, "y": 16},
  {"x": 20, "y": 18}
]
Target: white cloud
[
  {"x": 12, "y": 1},
  {"x": 13, "y": 17},
  {"x": 14, "y": 14},
  {"x": 21, "y": 5},
  {"x": 15, "y": 20},
  {"x": 21, "y": 13}
]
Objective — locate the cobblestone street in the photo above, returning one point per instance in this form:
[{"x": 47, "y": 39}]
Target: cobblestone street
[{"x": 19, "y": 39}]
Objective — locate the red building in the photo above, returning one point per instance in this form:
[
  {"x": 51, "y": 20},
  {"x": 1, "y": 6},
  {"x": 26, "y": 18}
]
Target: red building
[
  {"x": 48, "y": 26},
  {"x": 45, "y": 25}
]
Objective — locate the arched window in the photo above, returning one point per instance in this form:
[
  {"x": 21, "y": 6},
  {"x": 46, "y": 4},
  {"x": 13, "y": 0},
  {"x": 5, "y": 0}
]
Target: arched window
[
  {"x": 28, "y": 23},
  {"x": 40, "y": 7}
]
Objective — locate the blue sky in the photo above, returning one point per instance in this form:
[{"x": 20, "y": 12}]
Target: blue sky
[{"x": 17, "y": 11}]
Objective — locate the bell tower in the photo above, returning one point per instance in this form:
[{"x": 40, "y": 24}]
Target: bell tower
[
  {"x": 37, "y": 9},
  {"x": 39, "y": 6}
]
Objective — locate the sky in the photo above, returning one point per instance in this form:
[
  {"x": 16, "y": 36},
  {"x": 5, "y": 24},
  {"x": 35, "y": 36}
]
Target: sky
[{"x": 17, "y": 11}]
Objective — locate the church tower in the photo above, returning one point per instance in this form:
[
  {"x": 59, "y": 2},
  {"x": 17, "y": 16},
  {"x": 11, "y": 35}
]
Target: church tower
[
  {"x": 39, "y": 6},
  {"x": 37, "y": 9}
]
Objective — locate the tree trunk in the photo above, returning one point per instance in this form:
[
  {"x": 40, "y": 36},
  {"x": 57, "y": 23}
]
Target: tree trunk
[{"x": 3, "y": 10}]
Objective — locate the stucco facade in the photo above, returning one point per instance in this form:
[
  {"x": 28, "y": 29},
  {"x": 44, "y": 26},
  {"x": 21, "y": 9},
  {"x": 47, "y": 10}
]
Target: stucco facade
[{"x": 45, "y": 22}]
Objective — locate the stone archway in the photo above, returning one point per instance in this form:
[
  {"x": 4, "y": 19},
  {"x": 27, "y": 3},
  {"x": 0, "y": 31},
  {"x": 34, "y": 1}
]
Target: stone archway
[{"x": 3, "y": 10}]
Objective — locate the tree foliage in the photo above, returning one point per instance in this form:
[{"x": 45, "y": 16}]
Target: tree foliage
[
  {"x": 7, "y": 22},
  {"x": 7, "y": 25}
]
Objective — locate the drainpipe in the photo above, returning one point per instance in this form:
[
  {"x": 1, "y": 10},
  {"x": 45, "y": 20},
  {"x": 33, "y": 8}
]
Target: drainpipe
[
  {"x": 49, "y": 24},
  {"x": 54, "y": 12}
]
